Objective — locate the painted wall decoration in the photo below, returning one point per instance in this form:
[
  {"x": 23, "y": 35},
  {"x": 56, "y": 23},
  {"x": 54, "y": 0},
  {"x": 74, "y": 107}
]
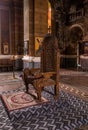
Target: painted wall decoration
[
  {"x": 38, "y": 45},
  {"x": 5, "y": 48}
]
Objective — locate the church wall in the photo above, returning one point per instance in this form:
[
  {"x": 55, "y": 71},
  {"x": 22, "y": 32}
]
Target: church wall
[
  {"x": 15, "y": 19},
  {"x": 14, "y": 34},
  {"x": 38, "y": 22}
]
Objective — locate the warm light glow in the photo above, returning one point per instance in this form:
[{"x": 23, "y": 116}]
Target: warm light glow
[{"x": 49, "y": 15}]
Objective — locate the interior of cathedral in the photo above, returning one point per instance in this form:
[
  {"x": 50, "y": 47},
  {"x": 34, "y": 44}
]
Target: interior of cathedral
[{"x": 44, "y": 64}]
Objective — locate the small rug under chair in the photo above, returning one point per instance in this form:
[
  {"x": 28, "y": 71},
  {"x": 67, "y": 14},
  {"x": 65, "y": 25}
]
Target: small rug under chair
[{"x": 18, "y": 100}]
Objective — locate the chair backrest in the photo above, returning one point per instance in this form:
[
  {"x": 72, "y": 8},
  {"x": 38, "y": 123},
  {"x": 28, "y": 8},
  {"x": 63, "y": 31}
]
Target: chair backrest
[{"x": 50, "y": 56}]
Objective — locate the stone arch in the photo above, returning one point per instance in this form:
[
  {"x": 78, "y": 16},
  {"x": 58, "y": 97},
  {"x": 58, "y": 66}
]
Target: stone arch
[
  {"x": 77, "y": 25},
  {"x": 75, "y": 36},
  {"x": 76, "y": 33},
  {"x": 73, "y": 46},
  {"x": 69, "y": 31}
]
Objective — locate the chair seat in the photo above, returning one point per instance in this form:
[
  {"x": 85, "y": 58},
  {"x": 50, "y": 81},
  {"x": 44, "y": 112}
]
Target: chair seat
[{"x": 46, "y": 82}]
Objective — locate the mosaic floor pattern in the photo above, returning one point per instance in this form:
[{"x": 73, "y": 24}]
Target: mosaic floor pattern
[
  {"x": 75, "y": 82},
  {"x": 69, "y": 112}
]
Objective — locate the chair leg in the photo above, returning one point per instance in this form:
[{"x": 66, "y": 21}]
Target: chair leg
[
  {"x": 56, "y": 91},
  {"x": 39, "y": 94},
  {"x": 26, "y": 87}
]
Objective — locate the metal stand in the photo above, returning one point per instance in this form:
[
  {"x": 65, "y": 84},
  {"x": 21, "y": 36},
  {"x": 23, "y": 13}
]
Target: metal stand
[
  {"x": 78, "y": 60},
  {"x": 13, "y": 59}
]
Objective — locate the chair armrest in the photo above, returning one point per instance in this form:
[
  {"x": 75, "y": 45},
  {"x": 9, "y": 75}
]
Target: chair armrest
[
  {"x": 48, "y": 74},
  {"x": 34, "y": 77},
  {"x": 35, "y": 70}
]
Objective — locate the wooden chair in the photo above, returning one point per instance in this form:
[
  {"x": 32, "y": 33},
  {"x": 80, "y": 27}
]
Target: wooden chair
[
  {"x": 50, "y": 78},
  {"x": 49, "y": 71}
]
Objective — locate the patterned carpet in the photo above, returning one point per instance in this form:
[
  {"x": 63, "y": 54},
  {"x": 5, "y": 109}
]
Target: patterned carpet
[
  {"x": 19, "y": 100},
  {"x": 69, "y": 112},
  {"x": 75, "y": 82}
]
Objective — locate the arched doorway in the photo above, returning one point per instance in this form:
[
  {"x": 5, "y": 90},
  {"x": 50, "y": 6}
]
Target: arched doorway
[
  {"x": 76, "y": 33},
  {"x": 73, "y": 47}
]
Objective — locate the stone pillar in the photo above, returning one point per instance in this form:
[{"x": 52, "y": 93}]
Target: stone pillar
[
  {"x": 17, "y": 26},
  {"x": 17, "y": 31},
  {"x": 31, "y": 27},
  {"x": 26, "y": 20},
  {"x": 38, "y": 22},
  {"x": 41, "y": 17}
]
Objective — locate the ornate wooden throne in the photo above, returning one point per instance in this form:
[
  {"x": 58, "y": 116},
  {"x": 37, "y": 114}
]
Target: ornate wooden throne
[{"x": 49, "y": 71}]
